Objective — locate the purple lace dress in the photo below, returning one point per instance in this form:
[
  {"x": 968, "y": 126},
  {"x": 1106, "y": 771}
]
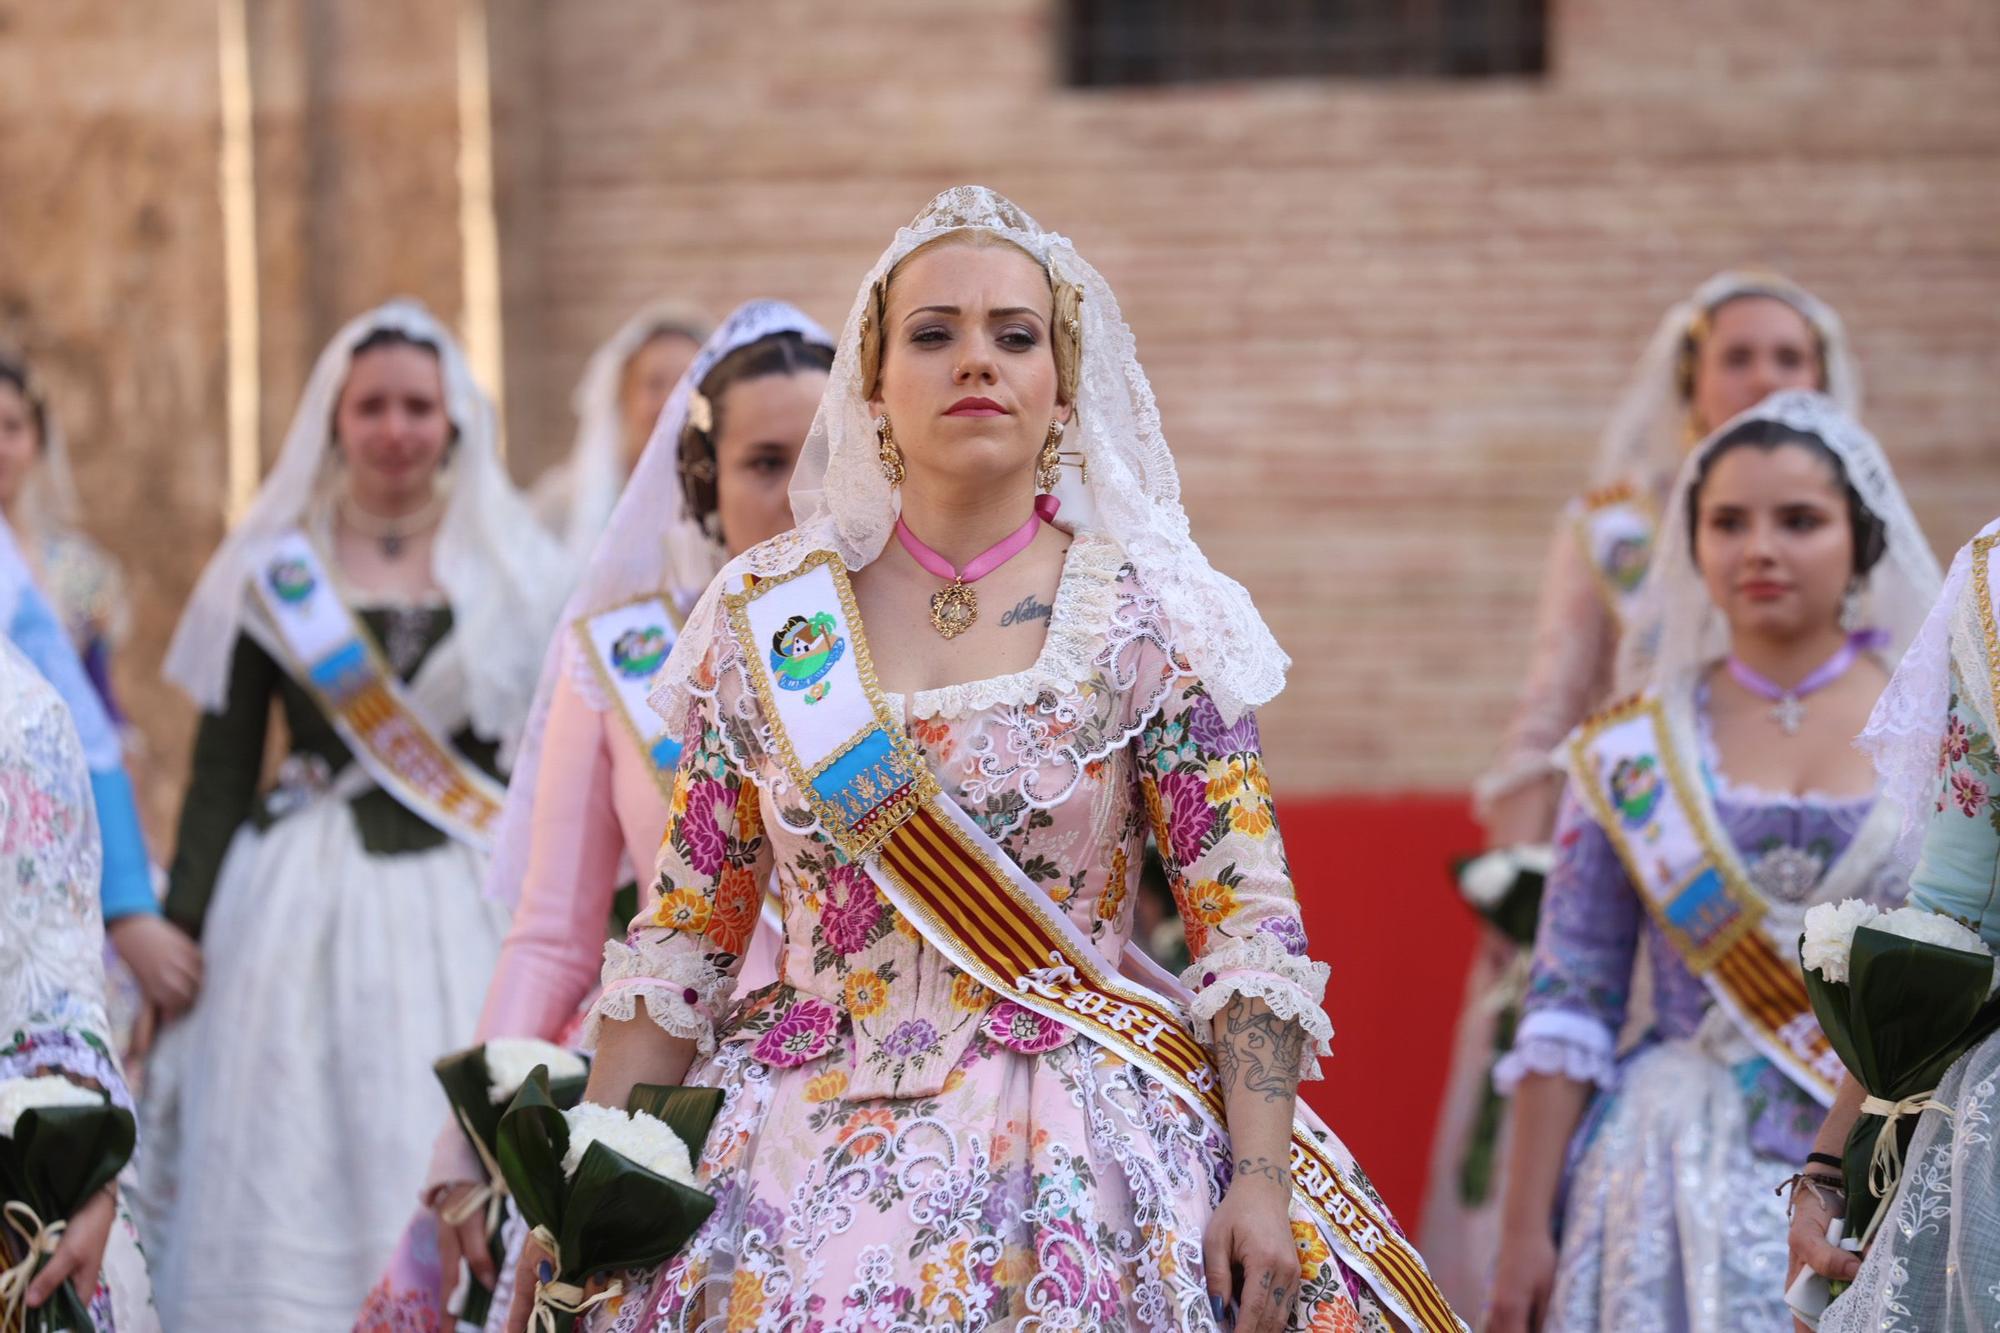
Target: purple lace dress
[{"x": 1669, "y": 1219}]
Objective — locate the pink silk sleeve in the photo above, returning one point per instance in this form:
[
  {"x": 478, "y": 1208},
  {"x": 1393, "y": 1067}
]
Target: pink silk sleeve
[
  {"x": 550, "y": 958},
  {"x": 1568, "y": 676}
]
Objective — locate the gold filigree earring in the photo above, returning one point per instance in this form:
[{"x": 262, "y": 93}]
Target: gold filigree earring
[
  {"x": 1048, "y": 467},
  {"x": 890, "y": 455}
]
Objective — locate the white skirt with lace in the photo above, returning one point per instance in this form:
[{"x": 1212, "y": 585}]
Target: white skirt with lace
[
  {"x": 1935, "y": 1262},
  {"x": 288, "y": 1119},
  {"x": 1673, "y": 1224}
]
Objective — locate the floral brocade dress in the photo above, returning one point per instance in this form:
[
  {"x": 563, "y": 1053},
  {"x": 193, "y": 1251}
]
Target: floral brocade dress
[{"x": 898, "y": 1148}]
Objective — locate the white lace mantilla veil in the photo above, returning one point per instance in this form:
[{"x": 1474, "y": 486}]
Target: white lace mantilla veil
[
  {"x": 14, "y": 576},
  {"x": 651, "y": 545},
  {"x": 1895, "y": 595},
  {"x": 1644, "y": 437},
  {"x": 843, "y": 502},
  {"x": 502, "y": 574},
  {"x": 1907, "y": 727},
  {"x": 586, "y": 484}
]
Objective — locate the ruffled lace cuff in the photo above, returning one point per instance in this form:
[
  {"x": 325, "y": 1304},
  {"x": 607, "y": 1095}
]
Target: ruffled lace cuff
[
  {"x": 1559, "y": 1042},
  {"x": 1291, "y": 986},
  {"x": 60, "y": 1050},
  {"x": 682, "y": 989}
]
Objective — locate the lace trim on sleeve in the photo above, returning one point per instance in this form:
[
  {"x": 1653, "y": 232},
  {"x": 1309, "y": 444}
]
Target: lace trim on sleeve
[
  {"x": 681, "y": 988},
  {"x": 67, "y": 1051},
  {"x": 1293, "y": 987},
  {"x": 1559, "y": 1042}
]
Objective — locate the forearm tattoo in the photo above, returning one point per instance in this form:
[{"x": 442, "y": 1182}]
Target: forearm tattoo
[{"x": 1259, "y": 1052}]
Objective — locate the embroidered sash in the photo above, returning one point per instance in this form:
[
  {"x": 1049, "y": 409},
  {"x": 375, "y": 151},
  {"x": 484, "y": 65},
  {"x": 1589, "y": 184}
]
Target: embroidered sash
[
  {"x": 332, "y": 656},
  {"x": 626, "y": 647},
  {"x": 1615, "y": 527},
  {"x": 1646, "y": 793},
  {"x": 877, "y": 799}
]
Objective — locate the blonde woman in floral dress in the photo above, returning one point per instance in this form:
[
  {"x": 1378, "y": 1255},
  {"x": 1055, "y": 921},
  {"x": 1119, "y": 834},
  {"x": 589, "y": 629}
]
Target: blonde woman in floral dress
[{"x": 908, "y": 1140}]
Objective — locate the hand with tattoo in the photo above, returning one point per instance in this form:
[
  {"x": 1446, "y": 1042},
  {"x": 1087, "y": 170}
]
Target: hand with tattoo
[{"x": 1251, "y": 1257}]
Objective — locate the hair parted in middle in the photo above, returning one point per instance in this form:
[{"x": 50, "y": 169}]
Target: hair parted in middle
[{"x": 1065, "y": 331}]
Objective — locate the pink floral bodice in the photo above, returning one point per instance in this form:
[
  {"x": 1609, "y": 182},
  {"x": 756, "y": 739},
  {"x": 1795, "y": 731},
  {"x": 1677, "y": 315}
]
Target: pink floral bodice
[{"x": 1067, "y": 765}]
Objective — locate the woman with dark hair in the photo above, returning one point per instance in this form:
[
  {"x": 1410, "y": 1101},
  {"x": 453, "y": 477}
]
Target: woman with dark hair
[
  {"x": 1703, "y": 817},
  {"x": 1732, "y": 342},
  {"x": 590, "y": 794},
  {"x": 391, "y": 592}
]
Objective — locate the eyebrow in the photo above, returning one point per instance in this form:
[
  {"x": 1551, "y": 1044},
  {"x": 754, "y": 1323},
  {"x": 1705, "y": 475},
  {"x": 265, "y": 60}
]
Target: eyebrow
[{"x": 998, "y": 313}]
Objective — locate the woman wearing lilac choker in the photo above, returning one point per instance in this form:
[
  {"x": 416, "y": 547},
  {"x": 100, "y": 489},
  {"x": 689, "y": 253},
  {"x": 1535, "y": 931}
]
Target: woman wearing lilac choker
[{"x": 1704, "y": 816}]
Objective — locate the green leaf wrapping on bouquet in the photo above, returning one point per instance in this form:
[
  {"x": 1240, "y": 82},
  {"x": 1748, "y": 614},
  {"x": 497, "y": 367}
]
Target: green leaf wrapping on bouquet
[
  {"x": 1906, "y": 1013},
  {"x": 1519, "y": 909},
  {"x": 57, "y": 1158},
  {"x": 688, "y": 1112},
  {"x": 532, "y": 1140},
  {"x": 468, "y": 1084},
  {"x": 613, "y": 1214}
]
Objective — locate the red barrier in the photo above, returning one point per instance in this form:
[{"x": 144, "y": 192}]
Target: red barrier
[{"x": 1373, "y": 879}]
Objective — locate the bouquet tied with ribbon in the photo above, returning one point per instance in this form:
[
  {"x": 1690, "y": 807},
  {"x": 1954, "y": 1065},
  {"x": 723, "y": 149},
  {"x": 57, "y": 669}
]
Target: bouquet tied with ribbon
[
  {"x": 60, "y": 1143},
  {"x": 480, "y": 1083},
  {"x": 603, "y": 1189},
  {"x": 1901, "y": 995}
]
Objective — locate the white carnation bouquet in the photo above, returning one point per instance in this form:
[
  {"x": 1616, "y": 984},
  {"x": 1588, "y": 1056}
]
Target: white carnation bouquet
[
  {"x": 479, "y": 1083},
  {"x": 1901, "y": 995},
  {"x": 604, "y": 1189}
]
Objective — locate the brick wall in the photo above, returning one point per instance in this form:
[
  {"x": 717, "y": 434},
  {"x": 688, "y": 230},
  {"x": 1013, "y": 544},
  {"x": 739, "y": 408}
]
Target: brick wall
[{"x": 1384, "y": 322}]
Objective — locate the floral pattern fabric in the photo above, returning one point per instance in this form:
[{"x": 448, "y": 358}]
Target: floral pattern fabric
[
  {"x": 52, "y": 1008},
  {"x": 898, "y": 1148}
]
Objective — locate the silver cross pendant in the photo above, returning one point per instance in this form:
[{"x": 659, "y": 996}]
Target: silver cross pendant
[{"x": 1789, "y": 714}]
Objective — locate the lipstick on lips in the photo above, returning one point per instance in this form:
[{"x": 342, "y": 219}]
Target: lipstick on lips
[
  {"x": 1763, "y": 590},
  {"x": 975, "y": 407}
]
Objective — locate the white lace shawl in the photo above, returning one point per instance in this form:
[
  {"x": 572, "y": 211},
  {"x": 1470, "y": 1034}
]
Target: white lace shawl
[
  {"x": 1907, "y": 727},
  {"x": 502, "y": 574},
  {"x": 843, "y": 502}
]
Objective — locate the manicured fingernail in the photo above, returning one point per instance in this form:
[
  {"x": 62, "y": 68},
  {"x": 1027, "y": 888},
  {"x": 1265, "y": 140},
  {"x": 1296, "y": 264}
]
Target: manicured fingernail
[
  {"x": 545, "y": 1270},
  {"x": 1215, "y": 1304}
]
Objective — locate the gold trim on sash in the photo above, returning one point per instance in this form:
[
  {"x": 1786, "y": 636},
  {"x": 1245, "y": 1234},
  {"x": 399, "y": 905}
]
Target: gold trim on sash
[
  {"x": 967, "y": 899},
  {"x": 1732, "y": 956},
  {"x": 914, "y": 783},
  {"x": 1982, "y": 549},
  {"x": 1617, "y": 587},
  {"x": 663, "y": 775},
  {"x": 350, "y": 681}
]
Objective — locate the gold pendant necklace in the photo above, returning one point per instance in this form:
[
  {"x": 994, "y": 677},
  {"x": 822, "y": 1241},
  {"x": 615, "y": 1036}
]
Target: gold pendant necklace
[{"x": 953, "y": 608}]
